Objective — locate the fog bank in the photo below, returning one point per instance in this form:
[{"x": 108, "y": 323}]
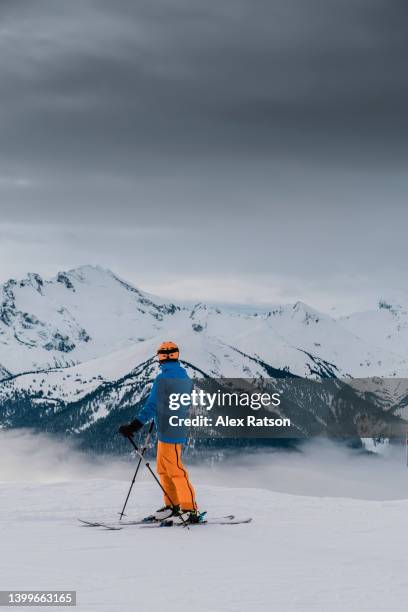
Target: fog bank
[{"x": 319, "y": 468}]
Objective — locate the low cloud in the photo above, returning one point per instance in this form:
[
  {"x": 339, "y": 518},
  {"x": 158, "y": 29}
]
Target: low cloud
[
  {"x": 319, "y": 468},
  {"x": 34, "y": 457}
]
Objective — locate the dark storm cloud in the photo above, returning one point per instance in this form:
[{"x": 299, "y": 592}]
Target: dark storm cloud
[
  {"x": 267, "y": 138},
  {"x": 119, "y": 84}
]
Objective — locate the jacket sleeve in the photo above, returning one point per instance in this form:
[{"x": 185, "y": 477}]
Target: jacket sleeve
[{"x": 148, "y": 411}]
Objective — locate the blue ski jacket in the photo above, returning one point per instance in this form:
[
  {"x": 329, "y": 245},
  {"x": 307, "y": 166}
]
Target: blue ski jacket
[{"x": 173, "y": 379}]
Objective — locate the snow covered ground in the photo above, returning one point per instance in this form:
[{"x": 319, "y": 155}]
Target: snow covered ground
[{"x": 302, "y": 552}]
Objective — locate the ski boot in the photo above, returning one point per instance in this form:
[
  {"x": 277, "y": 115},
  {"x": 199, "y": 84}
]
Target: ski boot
[
  {"x": 188, "y": 516},
  {"x": 166, "y": 512}
]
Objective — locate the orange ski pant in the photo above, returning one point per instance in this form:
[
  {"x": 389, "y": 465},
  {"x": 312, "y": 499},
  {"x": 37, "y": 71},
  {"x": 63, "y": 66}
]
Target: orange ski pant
[{"x": 174, "y": 477}]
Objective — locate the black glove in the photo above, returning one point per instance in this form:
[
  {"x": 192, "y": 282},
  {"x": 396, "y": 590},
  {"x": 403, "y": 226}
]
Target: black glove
[{"x": 129, "y": 429}]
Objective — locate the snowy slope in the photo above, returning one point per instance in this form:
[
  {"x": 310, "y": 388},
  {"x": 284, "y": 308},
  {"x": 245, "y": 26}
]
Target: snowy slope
[
  {"x": 386, "y": 327},
  {"x": 4, "y": 373},
  {"x": 300, "y": 553}
]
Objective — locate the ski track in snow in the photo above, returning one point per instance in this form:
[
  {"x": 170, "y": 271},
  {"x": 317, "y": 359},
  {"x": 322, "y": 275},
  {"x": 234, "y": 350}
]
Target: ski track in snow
[{"x": 299, "y": 553}]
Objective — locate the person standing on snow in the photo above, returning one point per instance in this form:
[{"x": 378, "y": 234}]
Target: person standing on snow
[{"x": 179, "y": 500}]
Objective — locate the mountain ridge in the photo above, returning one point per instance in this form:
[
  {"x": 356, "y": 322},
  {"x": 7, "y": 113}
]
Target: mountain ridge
[
  {"x": 87, "y": 312},
  {"x": 76, "y": 351}
]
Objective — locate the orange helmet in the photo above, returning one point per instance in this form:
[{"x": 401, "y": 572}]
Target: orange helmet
[{"x": 168, "y": 351}]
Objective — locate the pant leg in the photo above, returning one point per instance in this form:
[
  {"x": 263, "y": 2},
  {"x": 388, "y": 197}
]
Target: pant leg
[
  {"x": 174, "y": 474},
  {"x": 165, "y": 478}
]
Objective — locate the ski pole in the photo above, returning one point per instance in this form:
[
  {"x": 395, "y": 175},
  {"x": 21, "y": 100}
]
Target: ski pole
[
  {"x": 137, "y": 469},
  {"x": 155, "y": 477}
]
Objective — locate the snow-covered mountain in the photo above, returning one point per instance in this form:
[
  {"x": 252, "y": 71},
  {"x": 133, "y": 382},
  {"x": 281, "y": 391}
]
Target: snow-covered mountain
[
  {"x": 74, "y": 317},
  {"x": 386, "y": 327},
  {"x": 78, "y": 346},
  {"x": 89, "y": 312}
]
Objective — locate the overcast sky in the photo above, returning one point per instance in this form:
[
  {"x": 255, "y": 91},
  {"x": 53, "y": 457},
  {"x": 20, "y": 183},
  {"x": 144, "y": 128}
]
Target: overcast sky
[{"x": 246, "y": 150}]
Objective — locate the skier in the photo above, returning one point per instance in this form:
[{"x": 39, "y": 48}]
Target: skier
[{"x": 179, "y": 500}]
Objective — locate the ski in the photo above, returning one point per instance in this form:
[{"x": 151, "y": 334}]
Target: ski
[
  {"x": 146, "y": 520},
  {"x": 213, "y": 521},
  {"x": 222, "y": 520},
  {"x": 151, "y": 522},
  {"x": 117, "y": 524}
]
